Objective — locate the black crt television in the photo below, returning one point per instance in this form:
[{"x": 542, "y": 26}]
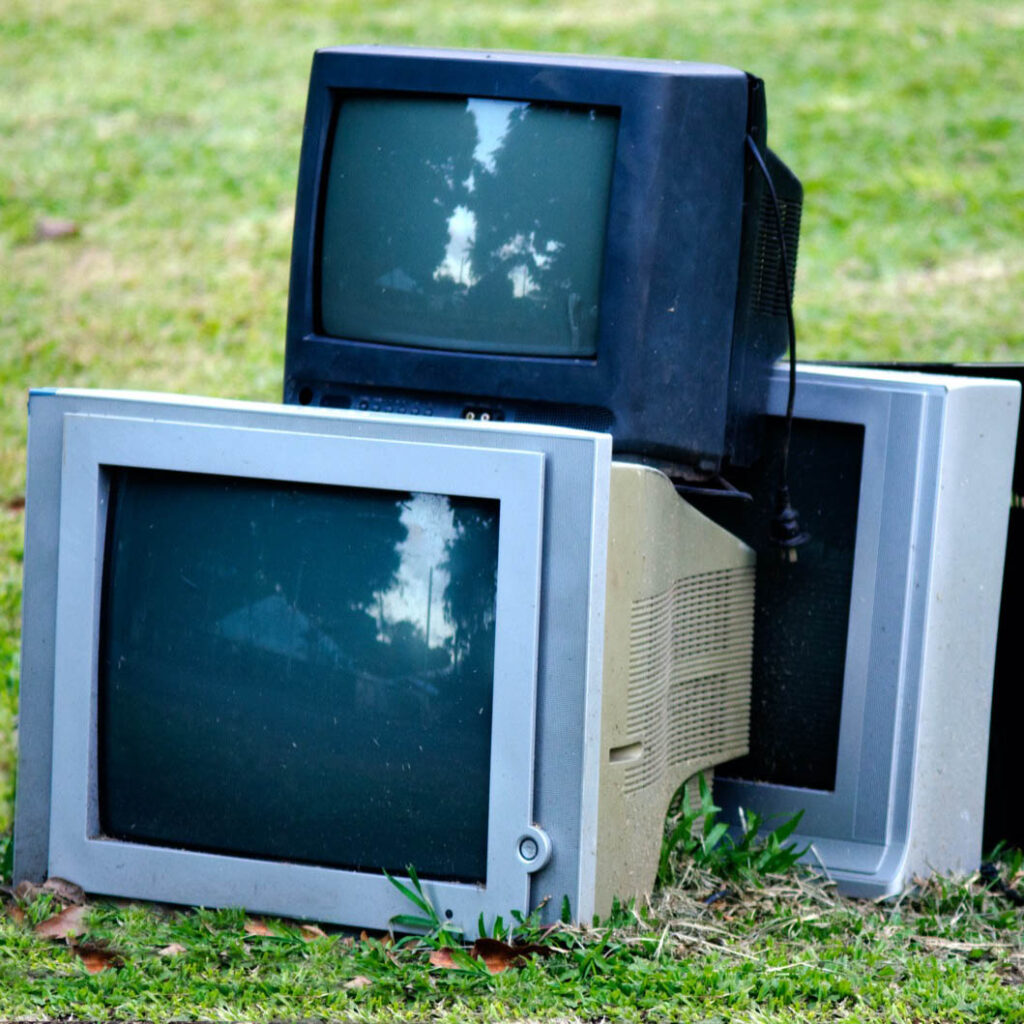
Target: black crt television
[{"x": 577, "y": 241}]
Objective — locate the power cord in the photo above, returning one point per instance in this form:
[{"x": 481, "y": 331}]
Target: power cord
[{"x": 784, "y": 529}]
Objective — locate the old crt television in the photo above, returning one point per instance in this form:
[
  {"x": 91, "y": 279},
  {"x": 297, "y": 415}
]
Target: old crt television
[
  {"x": 584, "y": 241},
  {"x": 271, "y": 652},
  {"x": 874, "y": 651}
]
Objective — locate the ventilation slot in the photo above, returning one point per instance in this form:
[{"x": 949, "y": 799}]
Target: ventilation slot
[
  {"x": 769, "y": 294},
  {"x": 689, "y": 674}
]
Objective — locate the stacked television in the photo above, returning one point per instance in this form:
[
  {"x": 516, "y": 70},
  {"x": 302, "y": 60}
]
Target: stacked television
[{"x": 445, "y": 607}]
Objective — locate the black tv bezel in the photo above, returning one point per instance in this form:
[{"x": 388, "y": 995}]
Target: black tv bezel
[{"x": 657, "y": 303}]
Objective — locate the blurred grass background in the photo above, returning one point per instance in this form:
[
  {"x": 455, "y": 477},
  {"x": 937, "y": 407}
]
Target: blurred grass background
[{"x": 169, "y": 134}]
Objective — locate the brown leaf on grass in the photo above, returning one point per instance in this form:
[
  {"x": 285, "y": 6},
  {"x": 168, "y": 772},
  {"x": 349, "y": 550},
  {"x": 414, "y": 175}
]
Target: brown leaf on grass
[
  {"x": 441, "y": 958},
  {"x": 174, "y": 949},
  {"x": 16, "y": 914},
  {"x": 16, "y": 504},
  {"x": 97, "y": 958},
  {"x": 26, "y": 891},
  {"x": 359, "y": 981},
  {"x": 50, "y": 229},
  {"x": 256, "y": 926},
  {"x": 67, "y": 892},
  {"x": 60, "y": 926},
  {"x": 499, "y": 956},
  {"x": 384, "y": 938},
  {"x": 311, "y": 932},
  {"x": 496, "y": 956}
]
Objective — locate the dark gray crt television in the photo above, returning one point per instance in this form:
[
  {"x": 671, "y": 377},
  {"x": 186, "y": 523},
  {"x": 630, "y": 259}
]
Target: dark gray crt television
[{"x": 578, "y": 241}]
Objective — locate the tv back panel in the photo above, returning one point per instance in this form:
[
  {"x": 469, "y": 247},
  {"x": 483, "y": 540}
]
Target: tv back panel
[
  {"x": 584, "y": 241},
  {"x": 271, "y": 652},
  {"x": 874, "y": 650}
]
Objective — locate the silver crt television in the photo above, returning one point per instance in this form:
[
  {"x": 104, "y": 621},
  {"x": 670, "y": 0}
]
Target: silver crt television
[
  {"x": 271, "y": 653},
  {"x": 874, "y": 651}
]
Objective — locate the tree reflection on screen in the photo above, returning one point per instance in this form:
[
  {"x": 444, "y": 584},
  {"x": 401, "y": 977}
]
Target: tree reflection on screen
[{"x": 467, "y": 223}]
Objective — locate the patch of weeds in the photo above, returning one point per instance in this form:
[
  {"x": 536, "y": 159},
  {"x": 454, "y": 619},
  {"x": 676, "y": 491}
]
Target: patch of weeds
[
  {"x": 434, "y": 930},
  {"x": 6, "y": 859},
  {"x": 712, "y": 847}
]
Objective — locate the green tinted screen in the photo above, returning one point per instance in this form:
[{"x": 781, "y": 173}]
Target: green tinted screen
[
  {"x": 466, "y": 224},
  {"x": 298, "y": 672}
]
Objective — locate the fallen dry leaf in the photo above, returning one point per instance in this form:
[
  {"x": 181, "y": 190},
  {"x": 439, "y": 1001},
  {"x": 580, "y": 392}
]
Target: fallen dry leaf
[
  {"x": 310, "y": 932},
  {"x": 359, "y": 981},
  {"x": 97, "y": 958},
  {"x": 256, "y": 926},
  {"x": 174, "y": 949},
  {"x": 27, "y": 891},
  {"x": 497, "y": 956},
  {"x": 65, "y": 891},
  {"x": 50, "y": 229},
  {"x": 442, "y": 958},
  {"x": 384, "y": 938},
  {"x": 16, "y": 914},
  {"x": 60, "y": 926}
]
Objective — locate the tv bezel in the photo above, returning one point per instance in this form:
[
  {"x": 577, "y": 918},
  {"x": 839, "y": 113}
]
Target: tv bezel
[
  {"x": 81, "y": 432},
  {"x": 656, "y": 298}
]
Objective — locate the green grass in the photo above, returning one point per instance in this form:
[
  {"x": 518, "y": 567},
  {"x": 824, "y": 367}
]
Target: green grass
[
  {"x": 790, "y": 951},
  {"x": 169, "y": 134}
]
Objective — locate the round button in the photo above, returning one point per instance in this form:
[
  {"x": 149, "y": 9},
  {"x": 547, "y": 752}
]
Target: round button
[{"x": 528, "y": 848}]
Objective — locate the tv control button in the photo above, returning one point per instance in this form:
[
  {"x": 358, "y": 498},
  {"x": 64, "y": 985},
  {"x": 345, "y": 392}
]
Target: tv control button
[{"x": 534, "y": 848}]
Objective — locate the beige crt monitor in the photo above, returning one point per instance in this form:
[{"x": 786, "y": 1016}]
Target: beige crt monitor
[{"x": 677, "y": 667}]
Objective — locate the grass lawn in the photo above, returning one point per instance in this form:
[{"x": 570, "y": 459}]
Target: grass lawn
[
  {"x": 168, "y": 134},
  {"x": 790, "y": 951}
]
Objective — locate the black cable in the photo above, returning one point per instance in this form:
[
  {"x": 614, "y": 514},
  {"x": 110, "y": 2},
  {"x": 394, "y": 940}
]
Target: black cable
[
  {"x": 991, "y": 876},
  {"x": 785, "y": 529}
]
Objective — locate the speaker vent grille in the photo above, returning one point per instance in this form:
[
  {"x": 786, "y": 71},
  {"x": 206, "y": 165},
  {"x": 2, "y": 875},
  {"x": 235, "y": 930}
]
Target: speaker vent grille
[
  {"x": 769, "y": 293},
  {"x": 689, "y": 675}
]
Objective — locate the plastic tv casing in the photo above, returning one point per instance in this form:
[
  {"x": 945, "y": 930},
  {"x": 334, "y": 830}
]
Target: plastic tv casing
[
  {"x": 874, "y": 654},
  {"x": 690, "y": 299},
  {"x": 623, "y": 631}
]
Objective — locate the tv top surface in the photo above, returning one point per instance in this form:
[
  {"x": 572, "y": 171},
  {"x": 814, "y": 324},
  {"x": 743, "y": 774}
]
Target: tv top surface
[{"x": 548, "y": 238}]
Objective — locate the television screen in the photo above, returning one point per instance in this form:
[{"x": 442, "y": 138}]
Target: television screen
[
  {"x": 271, "y": 653},
  {"x": 559, "y": 239},
  {"x": 803, "y": 607},
  {"x": 339, "y": 641},
  {"x": 467, "y": 224}
]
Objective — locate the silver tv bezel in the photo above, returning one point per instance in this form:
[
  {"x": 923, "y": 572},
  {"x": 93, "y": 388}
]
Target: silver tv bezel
[{"x": 83, "y": 433}]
